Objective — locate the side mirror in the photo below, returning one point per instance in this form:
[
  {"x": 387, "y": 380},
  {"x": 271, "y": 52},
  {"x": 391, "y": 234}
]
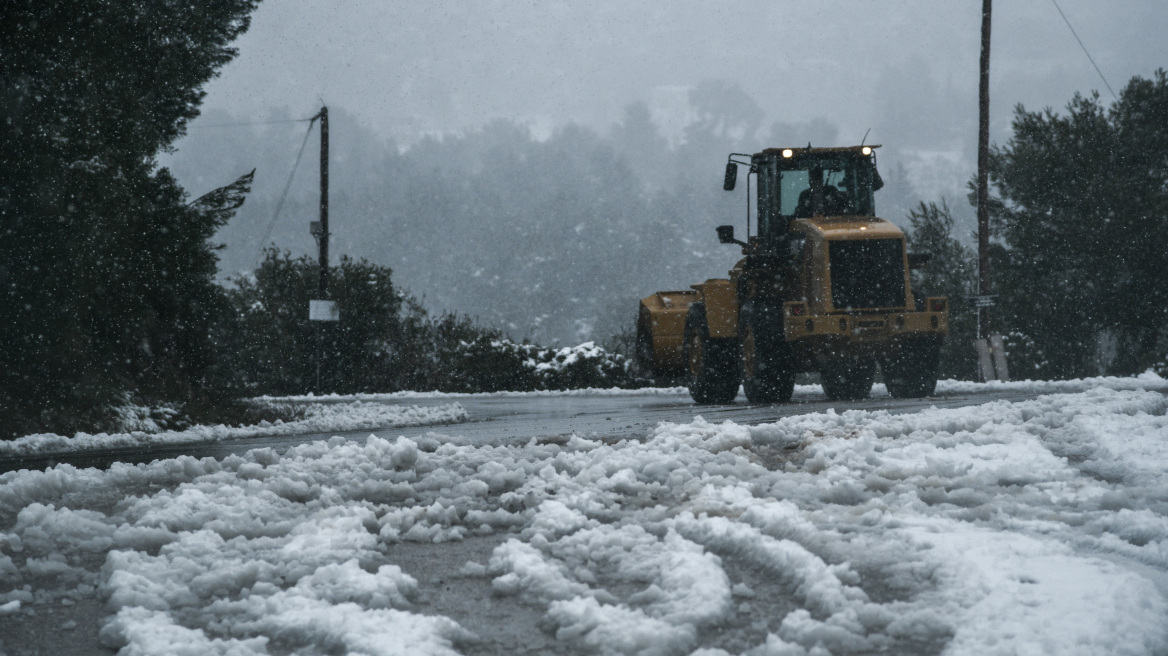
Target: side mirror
[
  {"x": 726, "y": 235},
  {"x": 918, "y": 260},
  {"x": 731, "y": 177}
]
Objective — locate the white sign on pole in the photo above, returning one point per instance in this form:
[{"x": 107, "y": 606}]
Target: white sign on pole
[
  {"x": 323, "y": 311},
  {"x": 998, "y": 346},
  {"x": 985, "y": 359}
]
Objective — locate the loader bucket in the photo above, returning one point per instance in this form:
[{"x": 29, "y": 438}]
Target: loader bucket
[{"x": 661, "y": 330}]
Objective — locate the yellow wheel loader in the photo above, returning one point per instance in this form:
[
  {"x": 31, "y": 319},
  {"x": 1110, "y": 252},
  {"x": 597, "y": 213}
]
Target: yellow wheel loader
[{"x": 823, "y": 286}]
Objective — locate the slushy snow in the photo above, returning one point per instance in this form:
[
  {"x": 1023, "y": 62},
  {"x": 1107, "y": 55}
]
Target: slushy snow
[
  {"x": 1030, "y": 527},
  {"x": 318, "y": 418}
]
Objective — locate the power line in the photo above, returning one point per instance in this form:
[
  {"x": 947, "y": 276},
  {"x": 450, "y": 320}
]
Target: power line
[
  {"x": 284, "y": 195},
  {"x": 231, "y": 125},
  {"x": 1089, "y": 57}
]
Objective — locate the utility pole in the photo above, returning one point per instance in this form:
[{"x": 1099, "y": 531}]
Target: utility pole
[
  {"x": 324, "y": 237},
  {"x": 983, "y": 194},
  {"x": 991, "y": 349},
  {"x": 321, "y": 309},
  {"x": 324, "y": 226}
]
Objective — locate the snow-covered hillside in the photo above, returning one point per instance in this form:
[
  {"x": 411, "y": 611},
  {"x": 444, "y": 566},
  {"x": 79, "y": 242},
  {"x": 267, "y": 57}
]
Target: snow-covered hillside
[{"x": 1037, "y": 527}]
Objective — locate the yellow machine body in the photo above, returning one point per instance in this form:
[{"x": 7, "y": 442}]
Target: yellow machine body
[{"x": 822, "y": 318}]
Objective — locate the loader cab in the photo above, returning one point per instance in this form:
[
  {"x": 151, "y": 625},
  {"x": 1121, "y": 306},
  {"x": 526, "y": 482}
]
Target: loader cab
[{"x": 796, "y": 183}]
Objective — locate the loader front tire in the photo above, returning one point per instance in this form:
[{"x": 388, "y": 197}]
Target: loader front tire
[
  {"x": 848, "y": 378},
  {"x": 711, "y": 364},
  {"x": 768, "y": 361},
  {"x": 912, "y": 372}
]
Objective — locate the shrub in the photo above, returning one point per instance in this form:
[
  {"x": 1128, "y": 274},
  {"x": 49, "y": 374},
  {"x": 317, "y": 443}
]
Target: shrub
[{"x": 384, "y": 342}]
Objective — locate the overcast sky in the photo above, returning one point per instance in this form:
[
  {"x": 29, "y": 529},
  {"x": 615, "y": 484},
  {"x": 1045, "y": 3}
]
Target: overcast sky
[{"x": 906, "y": 69}]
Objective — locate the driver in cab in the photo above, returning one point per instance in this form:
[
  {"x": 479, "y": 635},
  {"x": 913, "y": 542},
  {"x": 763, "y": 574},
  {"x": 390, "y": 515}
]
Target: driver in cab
[{"x": 820, "y": 199}]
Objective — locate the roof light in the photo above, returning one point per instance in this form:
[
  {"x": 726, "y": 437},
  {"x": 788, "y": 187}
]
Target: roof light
[
  {"x": 867, "y": 150},
  {"x": 787, "y": 152}
]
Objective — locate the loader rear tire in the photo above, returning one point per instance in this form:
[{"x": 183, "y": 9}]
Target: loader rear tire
[
  {"x": 912, "y": 372},
  {"x": 711, "y": 364},
  {"x": 768, "y": 361},
  {"x": 848, "y": 379}
]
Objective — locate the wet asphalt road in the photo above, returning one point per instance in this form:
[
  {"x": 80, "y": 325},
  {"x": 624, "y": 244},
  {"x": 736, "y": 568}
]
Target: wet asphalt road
[{"x": 495, "y": 419}]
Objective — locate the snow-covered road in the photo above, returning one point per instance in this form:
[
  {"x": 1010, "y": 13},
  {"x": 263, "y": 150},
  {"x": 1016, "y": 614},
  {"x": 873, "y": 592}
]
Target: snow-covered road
[
  {"x": 496, "y": 418},
  {"x": 1011, "y": 527}
]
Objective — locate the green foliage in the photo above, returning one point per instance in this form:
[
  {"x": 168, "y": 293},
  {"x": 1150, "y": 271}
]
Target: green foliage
[
  {"x": 269, "y": 345},
  {"x": 950, "y": 272},
  {"x": 105, "y": 270},
  {"x": 384, "y": 341},
  {"x": 1082, "y": 210},
  {"x": 489, "y": 362}
]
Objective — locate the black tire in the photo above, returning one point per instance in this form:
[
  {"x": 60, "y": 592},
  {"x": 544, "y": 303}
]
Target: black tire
[
  {"x": 912, "y": 372},
  {"x": 848, "y": 379},
  {"x": 711, "y": 364},
  {"x": 768, "y": 361}
]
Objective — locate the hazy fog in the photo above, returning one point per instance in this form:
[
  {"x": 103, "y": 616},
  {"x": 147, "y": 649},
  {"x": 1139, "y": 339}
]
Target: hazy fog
[{"x": 393, "y": 73}]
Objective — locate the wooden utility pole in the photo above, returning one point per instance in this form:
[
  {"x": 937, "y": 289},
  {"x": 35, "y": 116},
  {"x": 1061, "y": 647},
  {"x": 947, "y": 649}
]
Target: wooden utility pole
[
  {"x": 324, "y": 226},
  {"x": 323, "y": 240},
  {"x": 983, "y": 194},
  {"x": 991, "y": 349},
  {"x": 320, "y": 308}
]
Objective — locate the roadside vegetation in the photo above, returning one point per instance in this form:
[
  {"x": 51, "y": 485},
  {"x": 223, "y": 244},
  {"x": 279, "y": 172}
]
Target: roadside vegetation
[
  {"x": 106, "y": 265},
  {"x": 1079, "y": 217},
  {"x": 108, "y": 269},
  {"x": 385, "y": 341}
]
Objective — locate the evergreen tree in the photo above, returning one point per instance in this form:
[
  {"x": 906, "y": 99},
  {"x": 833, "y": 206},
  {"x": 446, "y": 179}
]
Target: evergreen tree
[
  {"x": 1082, "y": 210},
  {"x": 951, "y": 272},
  {"x": 106, "y": 274},
  {"x": 268, "y": 345}
]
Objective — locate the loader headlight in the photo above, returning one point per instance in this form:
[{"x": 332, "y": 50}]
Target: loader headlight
[
  {"x": 788, "y": 153},
  {"x": 866, "y": 150}
]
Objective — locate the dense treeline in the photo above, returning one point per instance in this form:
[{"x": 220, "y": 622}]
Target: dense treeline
[
  {"x": 106, "y": 271},
  {"x": 1081, "y": 218},
  {"x": 384, "y": 341}
]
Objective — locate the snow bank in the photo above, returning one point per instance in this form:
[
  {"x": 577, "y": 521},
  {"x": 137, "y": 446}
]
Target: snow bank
[
  {"x": 1029, "y": 527},
  {"x": 318, "y": 418},
  {"x": 407, "y": 395},
  {"x": 1147, "y": 380}
]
